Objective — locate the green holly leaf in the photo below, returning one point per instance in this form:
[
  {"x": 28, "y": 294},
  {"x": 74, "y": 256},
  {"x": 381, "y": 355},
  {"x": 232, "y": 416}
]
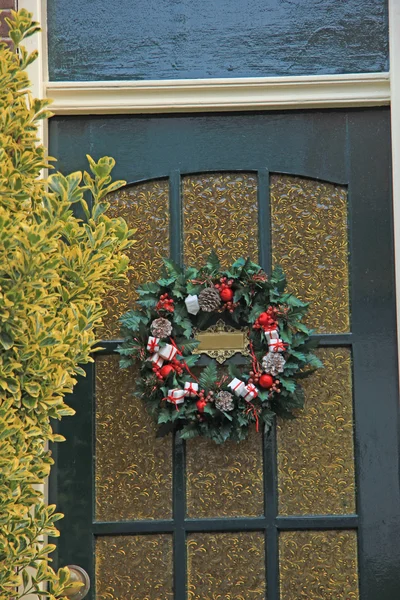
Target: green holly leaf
[
  {"x": 188, "y": 432},
  {"x": 288, "y": 384},
  {"x": 213, "y": 265},
  {"x": 148, "y": 288},
  {"x": 164, "y": 416},
  {"x": 172, "y": 268}
]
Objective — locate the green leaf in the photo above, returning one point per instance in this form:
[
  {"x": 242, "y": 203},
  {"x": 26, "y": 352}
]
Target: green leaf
[
  {"x": 288, "y": 384},
  {"x": 148, "y": 288},
  {"x": 208, "y": 376},
  {"x": 188, "y": 432},
  {"x": 172, "y": 268},
  {"x": 234, "y": 371},
  {"x": 213, "y": 265},
  {"x": 164, "y": 416},
  {"x": 6, "y": 340}
]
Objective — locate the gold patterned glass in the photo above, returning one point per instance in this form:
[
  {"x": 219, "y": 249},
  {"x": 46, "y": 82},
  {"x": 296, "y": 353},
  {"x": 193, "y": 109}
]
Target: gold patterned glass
[
  {"x": 145, "y": 207},
  {"x": 220, "y": 213},
  {"x": 309, "y": 240},
  {"x": 133, "y": 469},
  {"x": 318, "y": 565},
  {"x": 316, "y": 451},
  {"x": 228, "y": 566},
  {"x": 225, "y": 480},
  {"x": 134, "y": 567}
]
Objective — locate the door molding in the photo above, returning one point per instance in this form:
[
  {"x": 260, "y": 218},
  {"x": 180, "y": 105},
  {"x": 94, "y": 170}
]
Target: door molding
[{"x": 199, "y": 95}]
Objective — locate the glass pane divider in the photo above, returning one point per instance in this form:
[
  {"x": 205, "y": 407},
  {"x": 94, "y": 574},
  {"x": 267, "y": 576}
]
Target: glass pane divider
[
  {"x": 323, "y": 522},
  {"x": 264, "y": 219},
  {"x": 334, "y": 339},
  {"x": 179, "y": 511},
  {"x": 271, "y": 511},
  {"x": 175, "y": 204}
]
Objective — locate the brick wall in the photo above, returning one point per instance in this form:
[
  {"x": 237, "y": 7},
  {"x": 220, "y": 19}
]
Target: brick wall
[{"x": 5, "y": 7}]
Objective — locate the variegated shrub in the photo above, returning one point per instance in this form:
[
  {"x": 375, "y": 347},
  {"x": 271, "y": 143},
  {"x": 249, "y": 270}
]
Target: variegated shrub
[{"x": 54, "y": 270}]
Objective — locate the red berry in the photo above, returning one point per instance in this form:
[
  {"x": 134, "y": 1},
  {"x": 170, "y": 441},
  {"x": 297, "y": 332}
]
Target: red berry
[
  {"x": 166, "y": 370},
  {"x": 266, "y": 381},
  {"x": 264, "y": 318},
  {"x": 200, "y": 405},
  {"x": 226, "y": 295}
]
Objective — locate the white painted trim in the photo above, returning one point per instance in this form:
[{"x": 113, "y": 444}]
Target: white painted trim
[
  {"x": 37, "y": 71},
  {"x": 394, "y": 40},
  {"x": 272, "y": 93}
]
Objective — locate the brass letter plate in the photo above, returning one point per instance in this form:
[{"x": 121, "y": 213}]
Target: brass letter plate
[{"x": 221, "y": 342}]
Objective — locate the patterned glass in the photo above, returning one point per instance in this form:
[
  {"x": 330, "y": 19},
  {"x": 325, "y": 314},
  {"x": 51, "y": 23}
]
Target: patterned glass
[
  {"x": 316, "y": 451},
  {"x": 318, "y": 565},
  {"x": 220, "y": 212},
  {"x": 145, "y": 207},
  {"x": 225, "y": 481},
  {"x": 228, "y": 566},
  {"x": 309, "y": 240},
  {"x": 134, "y": 567},
  {"x": 133, "y": 469}
]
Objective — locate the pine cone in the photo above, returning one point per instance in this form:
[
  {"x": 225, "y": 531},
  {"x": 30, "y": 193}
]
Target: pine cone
[
  {"x": 161, "y": 328},
  {"x": 273, "y": 363},
  {"x": 224, "y": 401},
  {"x": 209, "y": 299}
]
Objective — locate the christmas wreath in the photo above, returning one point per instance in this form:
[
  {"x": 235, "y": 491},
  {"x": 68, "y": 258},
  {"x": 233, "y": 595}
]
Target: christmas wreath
[{"x": 160, "y": 338}]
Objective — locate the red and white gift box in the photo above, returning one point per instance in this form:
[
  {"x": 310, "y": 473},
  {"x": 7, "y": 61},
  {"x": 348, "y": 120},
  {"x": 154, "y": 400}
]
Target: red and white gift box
[
  {"x": 153, "y": 344},
  {"x": 250, "y": 392},
  {"x": 272, "y": 335},
  {"x": 277, "y": 346},
  {"x": 168, "y": 352},
  {"x": 176, "y": 396},
  {"x": 157, "y": 360},
  {"x": 236, "y": 386},
  {"x": 191, "y": 389}
]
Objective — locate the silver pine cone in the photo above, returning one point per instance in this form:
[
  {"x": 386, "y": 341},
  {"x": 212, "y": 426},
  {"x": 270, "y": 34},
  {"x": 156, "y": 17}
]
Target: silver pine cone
[
  {"x": 161, "y": 328},
  {"x": 273, "y": 363},
  {"x": 209, "y": 299},
  {"x": 224, "y": 401}
]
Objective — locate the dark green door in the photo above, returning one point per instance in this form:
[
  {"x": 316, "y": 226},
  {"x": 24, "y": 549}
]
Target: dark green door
[{"x": 312, "y": 510}]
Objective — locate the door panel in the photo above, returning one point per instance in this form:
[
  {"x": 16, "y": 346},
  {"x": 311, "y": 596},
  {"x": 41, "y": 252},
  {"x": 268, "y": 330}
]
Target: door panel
[{"x": 314, "y": 505}]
